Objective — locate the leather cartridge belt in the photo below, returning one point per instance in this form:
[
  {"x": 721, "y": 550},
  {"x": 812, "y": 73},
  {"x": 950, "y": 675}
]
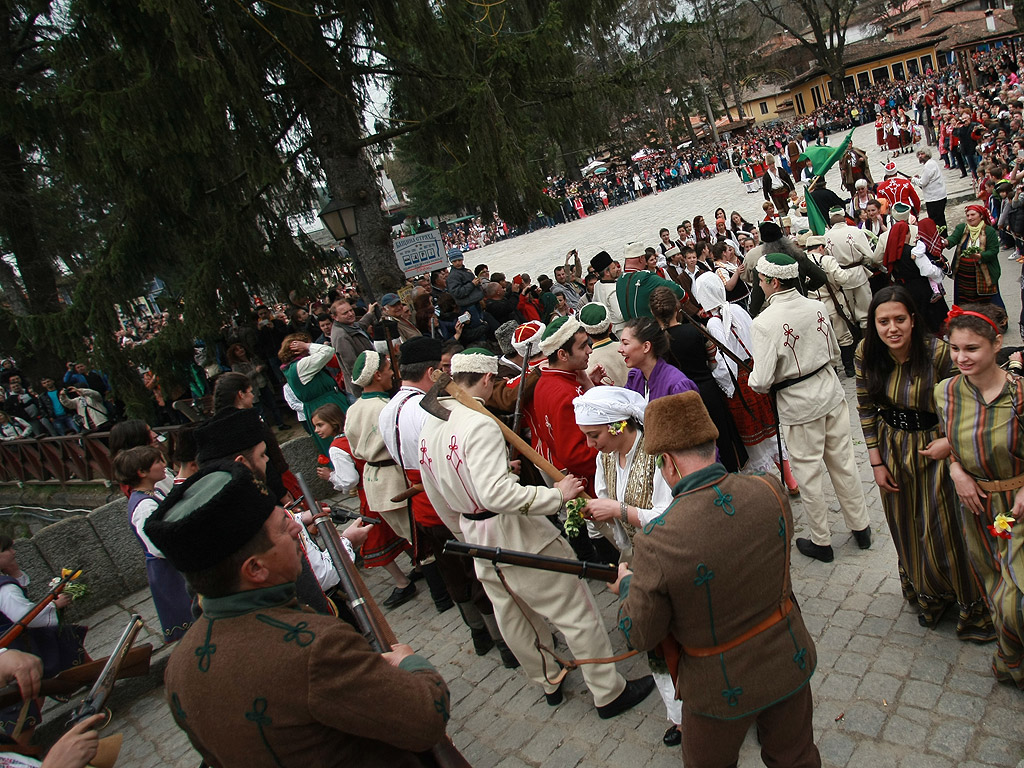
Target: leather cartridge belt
[
  {"x": 909, "y": 419},
  {"x": 382, "y": 463},
  {"x": 485, "y": 515},
  {"x": 999, "y": 486},
  {"x": 774, "y": 618}
]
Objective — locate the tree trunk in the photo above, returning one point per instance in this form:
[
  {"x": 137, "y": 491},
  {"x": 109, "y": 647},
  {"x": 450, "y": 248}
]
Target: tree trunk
[
  {"x": 17, "y": 219},
  {"x": 686, "y": 121},
  {"x": 740, "y": 114}
]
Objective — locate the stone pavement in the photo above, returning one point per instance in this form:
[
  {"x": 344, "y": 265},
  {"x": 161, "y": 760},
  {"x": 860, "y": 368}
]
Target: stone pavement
[{"x": 887, "y": 692}]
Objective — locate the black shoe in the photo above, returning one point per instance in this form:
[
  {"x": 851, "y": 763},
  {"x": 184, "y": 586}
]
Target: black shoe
[
  {"x": 850, "y": 371},
  {"x": 863, "y": 538},
  {"x": 634, "y": 692},
  {"x": 554, "y": 699},
  {"x": 399, "y": 596},
  {"x": 809, "y": 548},
  {"x": 508, "y": 659},
  {"x": 482, "y": 641},
  {"x": 444, "y": 604},
  {"x": 673, "y": 737}
]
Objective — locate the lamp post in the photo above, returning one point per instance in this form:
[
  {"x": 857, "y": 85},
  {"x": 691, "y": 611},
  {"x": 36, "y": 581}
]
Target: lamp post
[{"x": 339, "y": 217}]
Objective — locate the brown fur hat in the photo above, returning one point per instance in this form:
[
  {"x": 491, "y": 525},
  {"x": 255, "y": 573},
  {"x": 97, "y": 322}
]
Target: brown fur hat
[{"x": 677, "y": 423}]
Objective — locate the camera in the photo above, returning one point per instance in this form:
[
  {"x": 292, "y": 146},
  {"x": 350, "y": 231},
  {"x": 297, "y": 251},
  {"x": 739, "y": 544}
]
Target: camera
[{"x": 464, "y": 318}]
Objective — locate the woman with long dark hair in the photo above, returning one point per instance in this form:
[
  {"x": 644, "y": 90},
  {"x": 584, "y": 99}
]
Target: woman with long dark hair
[
  {"x": 700, "y": 229},
  {"x": 898, "y": 365},
  {"x": 644, "y": 347},
  {"x": 981, "y": 409},
  {"x": 690, "y": 353}
]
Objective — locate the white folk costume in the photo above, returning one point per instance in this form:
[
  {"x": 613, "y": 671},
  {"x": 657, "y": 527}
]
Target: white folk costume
[
  {"x": 604, "y": 292},
  {"x": 794, "y": 351},
  {"x": 852, "y": 250},
  {"x": 831, "y": 293},
  {"x": 604, "y": 352},
  {"x": 466, "y": 475},
  {"x": 382, "y": 477}
]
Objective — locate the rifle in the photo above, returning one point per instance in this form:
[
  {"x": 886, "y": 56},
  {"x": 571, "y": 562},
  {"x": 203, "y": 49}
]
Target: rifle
[
  {"x": 96, "y": 699},
  {"x": 385, "y": 324},
  {"x": 65, "y": 683},
  {"x": 340, "y": 513},
  {"x": 522, "y": 386},
  {"x": 15, "y": 630},
  {"x": 582, "y": 569},
  {"x": 696, "y": 323},
  {"x": 372, "y": 624}
]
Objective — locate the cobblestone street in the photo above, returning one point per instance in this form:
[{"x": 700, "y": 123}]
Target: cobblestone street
[{"x": 887, "y": 692}]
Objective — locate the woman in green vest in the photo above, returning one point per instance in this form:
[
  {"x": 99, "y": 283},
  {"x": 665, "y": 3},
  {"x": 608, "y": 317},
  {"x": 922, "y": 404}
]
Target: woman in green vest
[{"x": 303, "y": 364}]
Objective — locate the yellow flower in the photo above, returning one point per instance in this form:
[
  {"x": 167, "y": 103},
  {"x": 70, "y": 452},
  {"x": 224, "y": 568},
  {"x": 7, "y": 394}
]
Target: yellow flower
[{"x": 1003, "y": 523}]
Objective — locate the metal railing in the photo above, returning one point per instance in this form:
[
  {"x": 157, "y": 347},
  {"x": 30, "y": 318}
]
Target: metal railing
[{"x": 70, "y": 459}]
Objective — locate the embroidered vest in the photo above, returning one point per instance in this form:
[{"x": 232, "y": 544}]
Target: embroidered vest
[{"x": 640, "y": 484}]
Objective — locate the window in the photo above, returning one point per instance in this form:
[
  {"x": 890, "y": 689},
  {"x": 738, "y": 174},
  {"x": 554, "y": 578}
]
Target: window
[
  {"x": 926, "y": 63},
  {"x": 816, "y": 96},
  {"x": 800, "y": 108},
  {"x": 831, "y": 89},
  {"x": 897, "y": 71},
  {"x": 880, "y": 75},
  {"x": 912, "y": 67},
  {"x": 863, "y": 81},
  {"x": 764, "y": 107},
  {"x": 849, "y": 85}
]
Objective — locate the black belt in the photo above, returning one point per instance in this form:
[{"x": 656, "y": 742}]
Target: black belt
[
  {"x": 485, "y": 515},
  {"x": 908, "y": 419},
  {"x": 790, "y": 382},
  {"x": 850, "y": 266},
  {"x": 383, "y": 463}
]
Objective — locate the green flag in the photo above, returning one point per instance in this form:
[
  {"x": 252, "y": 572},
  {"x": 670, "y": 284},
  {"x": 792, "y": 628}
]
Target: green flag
[
  {"x": 815, "y": 220},
  {"x": 823, "y": 158}
]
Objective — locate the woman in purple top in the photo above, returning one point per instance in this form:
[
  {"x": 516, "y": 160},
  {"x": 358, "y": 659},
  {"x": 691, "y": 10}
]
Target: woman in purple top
[{"x": 644, "y": 347}]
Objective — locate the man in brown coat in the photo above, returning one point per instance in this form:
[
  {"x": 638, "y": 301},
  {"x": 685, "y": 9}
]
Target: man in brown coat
[
  {"x": 712, "y": 579},
  {"x": 260, "y": 680}
]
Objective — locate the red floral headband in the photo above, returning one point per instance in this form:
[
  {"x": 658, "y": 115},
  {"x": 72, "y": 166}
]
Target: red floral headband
[{"x": 957, "y": 312}]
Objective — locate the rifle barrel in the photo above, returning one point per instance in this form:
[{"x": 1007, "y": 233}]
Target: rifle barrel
[
  {"x": 100, "y": 691},
  {"x": 356, "y": 601},
  {"x": 581, "y": 568}
]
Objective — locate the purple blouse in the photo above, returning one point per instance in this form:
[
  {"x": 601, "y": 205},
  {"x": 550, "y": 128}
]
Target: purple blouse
[{"x": 665, "y": 379}]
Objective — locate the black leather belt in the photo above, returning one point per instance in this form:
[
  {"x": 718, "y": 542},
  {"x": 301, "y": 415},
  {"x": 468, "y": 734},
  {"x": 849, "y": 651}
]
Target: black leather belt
[
  {"x": 485, "y": 515},
  {"x": 382, "y": 463},
  {"x": 909, "y": 420},
  {"x": 790, "y": 382}
]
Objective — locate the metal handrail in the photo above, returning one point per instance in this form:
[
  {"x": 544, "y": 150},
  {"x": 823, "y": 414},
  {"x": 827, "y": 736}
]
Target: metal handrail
[{"x": 68, "y": 459}]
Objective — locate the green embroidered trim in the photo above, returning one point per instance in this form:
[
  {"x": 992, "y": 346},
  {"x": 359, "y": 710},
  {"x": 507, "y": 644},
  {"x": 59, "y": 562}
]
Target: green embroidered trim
[
  {"x": 296, "y": 633},
  {"x": 259, "y": 716},
  {"x": 724, "y": 501},
  {"x": 442, "y": 700},
  {"x": 176, "y": 704},
  {"x": 800, "y": 657},
  {"x": 659, "y": 520},
  {"x": 626, "y": 624},
  {"x": 207, "y": 649},
  {"x": 525, "y": 509},
  {"x": 704, "y": 577},
  {"x": 782, "y": 526},
  {"x": 731, "y": 694}
]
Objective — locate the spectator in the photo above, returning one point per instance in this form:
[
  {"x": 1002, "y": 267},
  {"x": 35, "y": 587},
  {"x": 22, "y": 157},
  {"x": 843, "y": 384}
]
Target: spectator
[
  {"x": 91, "y": 412},
  {"x": 349, "y": 338},
  {"x": 54, "y": 409},
  {"x": 13, "y": 428},
  {"x": 464, "y": 287}
]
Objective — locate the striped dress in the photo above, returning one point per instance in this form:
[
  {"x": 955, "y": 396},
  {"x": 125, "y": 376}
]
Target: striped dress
[
  {"x": 923, "y": 515},
  {"x": 988, "y": 441}
]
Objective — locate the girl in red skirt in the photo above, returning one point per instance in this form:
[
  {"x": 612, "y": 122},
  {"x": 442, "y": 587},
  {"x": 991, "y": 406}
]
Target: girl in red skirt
[{"x": 344, "y": 472}]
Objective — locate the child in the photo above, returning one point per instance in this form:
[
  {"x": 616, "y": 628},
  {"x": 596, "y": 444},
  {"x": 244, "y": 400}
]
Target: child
[
  {"x": 382, "y": 545},
  {"x": 141, "y": 468}
]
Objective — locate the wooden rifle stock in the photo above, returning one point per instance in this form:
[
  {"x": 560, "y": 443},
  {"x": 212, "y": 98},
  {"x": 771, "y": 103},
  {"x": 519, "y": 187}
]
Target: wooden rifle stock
[
  {"x": 15, "y": 630},
  {"x": 65, "y": 683},
  {"x": 372, "y": 623},
  {"x": 583, "y": 569}
]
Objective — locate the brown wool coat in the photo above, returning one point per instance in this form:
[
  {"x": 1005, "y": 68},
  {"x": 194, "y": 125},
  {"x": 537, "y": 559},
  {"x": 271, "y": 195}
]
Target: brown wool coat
[
  {"x": 283, "y": 686},
  {"x": 713, "y": 566}
]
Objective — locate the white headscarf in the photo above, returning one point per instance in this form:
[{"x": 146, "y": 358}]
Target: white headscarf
[
  {"x": 709, "y": 290},
  {"x": 606, "y": 405}
]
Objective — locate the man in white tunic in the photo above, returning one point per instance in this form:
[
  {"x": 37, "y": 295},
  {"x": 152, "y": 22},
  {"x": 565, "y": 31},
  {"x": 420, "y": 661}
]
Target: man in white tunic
[
  {"x": 794, "y": 351},
  {"x": 465, "y": 471}
]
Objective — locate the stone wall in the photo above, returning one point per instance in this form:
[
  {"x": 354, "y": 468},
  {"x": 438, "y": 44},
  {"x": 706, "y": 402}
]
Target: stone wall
[{"x": 104, "y": 546}]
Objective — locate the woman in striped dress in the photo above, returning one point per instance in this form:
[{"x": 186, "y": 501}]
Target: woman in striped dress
[
  {"x": 981, "y": 410},
  {"x": 898, "y": 365}
]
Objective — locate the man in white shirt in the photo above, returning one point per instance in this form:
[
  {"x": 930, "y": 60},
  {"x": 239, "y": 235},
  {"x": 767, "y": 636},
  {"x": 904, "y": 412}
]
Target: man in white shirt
[{"x": 933, "y": 187}]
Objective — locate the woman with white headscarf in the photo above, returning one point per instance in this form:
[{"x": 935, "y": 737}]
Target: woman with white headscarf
[
  {"x": 629, "y": 491},
  {"x": 730, "y": 325}
]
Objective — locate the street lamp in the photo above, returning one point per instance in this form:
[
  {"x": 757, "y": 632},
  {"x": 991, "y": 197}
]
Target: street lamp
[{"x": 339, "y": 216}]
